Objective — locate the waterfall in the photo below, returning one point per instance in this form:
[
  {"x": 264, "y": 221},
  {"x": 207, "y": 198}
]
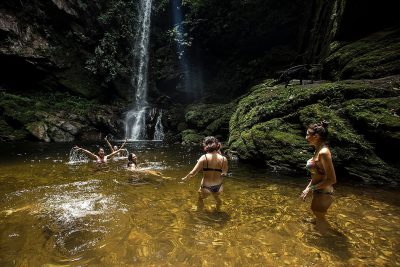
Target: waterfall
[
  {"x": 135, "y": 119},
  {"x": 159, "y": 129},
  {"x": 191, "y": 75}
]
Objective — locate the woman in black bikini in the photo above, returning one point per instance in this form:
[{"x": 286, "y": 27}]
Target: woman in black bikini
[
  {"x": 322, "y": 174},
  {"x": 214, "y": 167}
]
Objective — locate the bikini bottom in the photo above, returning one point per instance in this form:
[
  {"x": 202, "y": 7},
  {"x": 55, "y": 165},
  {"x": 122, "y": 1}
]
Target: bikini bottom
[
  {"x": 212, "y": 188},
  {"x": 321, "y": 191}
]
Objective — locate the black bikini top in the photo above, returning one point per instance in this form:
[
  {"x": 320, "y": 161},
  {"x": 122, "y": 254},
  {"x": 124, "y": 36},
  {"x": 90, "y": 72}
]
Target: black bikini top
[{"x": 210, "y": 169}]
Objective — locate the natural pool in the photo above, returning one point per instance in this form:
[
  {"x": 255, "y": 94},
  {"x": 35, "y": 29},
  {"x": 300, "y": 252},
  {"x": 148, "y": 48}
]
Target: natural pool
[{"x": 57, "y": 214}]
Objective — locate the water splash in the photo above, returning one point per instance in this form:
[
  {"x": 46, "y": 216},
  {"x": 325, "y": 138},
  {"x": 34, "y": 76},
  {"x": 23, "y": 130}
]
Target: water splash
[{"x": 76, "y": 156}]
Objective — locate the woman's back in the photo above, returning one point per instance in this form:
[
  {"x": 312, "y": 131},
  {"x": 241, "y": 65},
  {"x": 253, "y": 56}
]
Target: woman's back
[{"x": 214, "y": 165}]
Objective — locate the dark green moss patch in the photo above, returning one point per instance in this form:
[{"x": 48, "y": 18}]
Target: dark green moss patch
[{"x": 270, "y": 123}]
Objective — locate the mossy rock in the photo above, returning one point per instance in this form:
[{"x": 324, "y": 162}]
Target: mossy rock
[
  {"x": 269, "y": 125},
  {"x": 53, "y": 116},
  {"x": 9, "y": 133},
  {"x": 275, "y": 142},
  {"x": 375, "y": 56},
  {"x": 377, "y": 114},
  {"x": 210, "y": 119},
  {"x": 39, "y": 130},
  {"x": 379, "y": 120},
  {"x": 351, "y": 151},
  {"x": 191, "y": 137}
]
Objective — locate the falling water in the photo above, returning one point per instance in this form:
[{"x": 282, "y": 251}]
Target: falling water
[
  {"x": 191, "y": 74},
  {"x": 159, "y": 131},
  {"x": 180, "y": 42},
  {"x": 135, "y": 118}
]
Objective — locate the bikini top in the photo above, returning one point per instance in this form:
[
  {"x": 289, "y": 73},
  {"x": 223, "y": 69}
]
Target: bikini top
[
  {"x": 312, "y": 165},
  {"x": 210, "y": 169}
]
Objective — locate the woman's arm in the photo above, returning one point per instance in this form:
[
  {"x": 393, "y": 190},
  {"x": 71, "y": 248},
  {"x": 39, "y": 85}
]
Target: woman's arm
[
  {"x": 109, "y": 145},
  {"x": 327, "y": 164},
  {"x": 113, "y": 153},
  {"x": 87, "y": 152},
  {"x": 123, "y": 144},
  {"x": 195, "y": 170},
  {"x": 306, "y": 191},
  {"x": 224, "y": 166}
]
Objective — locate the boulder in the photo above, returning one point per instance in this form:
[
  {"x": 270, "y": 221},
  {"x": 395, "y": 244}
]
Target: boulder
[{"x": 269, "y": 125}]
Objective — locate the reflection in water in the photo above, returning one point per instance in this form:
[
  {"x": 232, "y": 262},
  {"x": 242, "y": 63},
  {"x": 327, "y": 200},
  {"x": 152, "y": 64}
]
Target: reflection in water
[{"x": 104, "y": 215}]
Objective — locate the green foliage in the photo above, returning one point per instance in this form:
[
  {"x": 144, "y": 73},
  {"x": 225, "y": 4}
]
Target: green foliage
[{"x": 113, "y": 53}]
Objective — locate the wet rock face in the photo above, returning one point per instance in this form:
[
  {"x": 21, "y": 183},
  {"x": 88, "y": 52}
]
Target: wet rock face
[
  {"x": 269, "y": 125},
  {"x": 46, "y": 42}
]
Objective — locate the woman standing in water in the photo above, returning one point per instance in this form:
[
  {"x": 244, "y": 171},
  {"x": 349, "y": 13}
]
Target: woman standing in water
[
  {"x": 100, "y": 157},
  {"x": 214, "y": 167},
  {"x": 322, "y": 174}
]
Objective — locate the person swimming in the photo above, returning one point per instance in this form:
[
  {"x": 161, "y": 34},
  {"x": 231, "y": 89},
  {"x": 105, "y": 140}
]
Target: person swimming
[
  {"x": 132, "y": 161},
  {"x": 322, "y": 174},
  {"x": 214, "y": 167},
  {"x": 115, "y": 148},
  {"x": 132, "y": 165},
  {"x": 100, "y": 157}
]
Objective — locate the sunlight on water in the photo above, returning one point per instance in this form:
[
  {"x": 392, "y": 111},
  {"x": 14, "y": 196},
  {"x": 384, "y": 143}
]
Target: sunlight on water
[{"x": 52, "y": 213}]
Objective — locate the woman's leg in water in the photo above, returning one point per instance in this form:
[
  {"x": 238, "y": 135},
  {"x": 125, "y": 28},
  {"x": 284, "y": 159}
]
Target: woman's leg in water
[
  {"x": 217, "y": 198},
  {"x": 218, "y": 201},
  {"x": 203, "y": 193},
  {"x": 319, "y": 206}
]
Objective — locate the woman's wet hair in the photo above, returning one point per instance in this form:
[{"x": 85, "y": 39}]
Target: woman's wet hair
[
  {"x": 320, "y": 128},
  {"x": 131, "y": 159},
  {"x": 210, "y": 144}
]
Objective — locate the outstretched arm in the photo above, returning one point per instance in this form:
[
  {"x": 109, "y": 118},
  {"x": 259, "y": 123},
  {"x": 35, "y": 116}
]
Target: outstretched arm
[
  {"x": 195, "y": 170},
  {"x": 87, "y": 152},
  {"x": 123, "y": 144},
  {"x": 109, "y": 145},
  {"x": 113, "y": 153}
]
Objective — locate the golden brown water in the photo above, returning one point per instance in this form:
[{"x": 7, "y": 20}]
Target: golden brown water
[{"x": 57, "y": 214}]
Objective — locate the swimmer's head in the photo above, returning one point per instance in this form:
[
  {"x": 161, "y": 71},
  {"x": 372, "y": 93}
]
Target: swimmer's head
[
  {"x": 211, "y": 144},
  {"x": 318, "y": 130},
  {"x": 101, "y": 152},
  {"x": 132, "y": 158}
]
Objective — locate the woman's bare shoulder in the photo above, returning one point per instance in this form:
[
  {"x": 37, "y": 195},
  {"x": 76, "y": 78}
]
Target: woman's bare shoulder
[{"x": 325, "y": 152}]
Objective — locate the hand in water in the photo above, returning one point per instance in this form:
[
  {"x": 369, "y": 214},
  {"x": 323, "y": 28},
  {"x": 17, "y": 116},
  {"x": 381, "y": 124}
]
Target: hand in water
[{"x": 305, "y": 193}]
